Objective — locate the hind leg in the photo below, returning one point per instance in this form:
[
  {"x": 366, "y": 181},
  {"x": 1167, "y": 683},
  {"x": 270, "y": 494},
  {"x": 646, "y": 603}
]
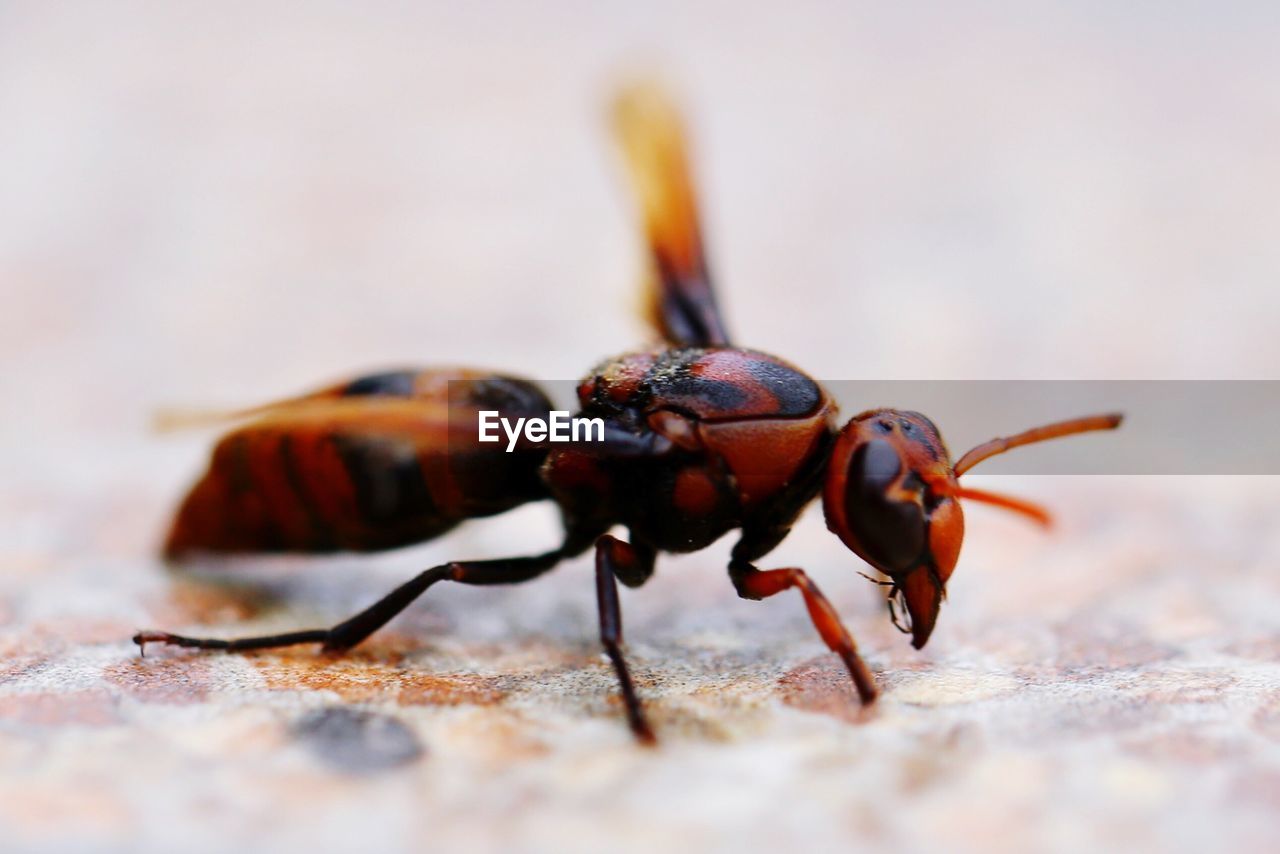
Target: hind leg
[{"x": 354, "y": 630}]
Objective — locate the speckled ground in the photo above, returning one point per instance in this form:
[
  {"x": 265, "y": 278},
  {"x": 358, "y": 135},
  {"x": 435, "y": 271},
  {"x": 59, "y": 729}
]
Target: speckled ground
[
  {"x": 1098, "y": 687},
  {"x": 215, "y": 206}
]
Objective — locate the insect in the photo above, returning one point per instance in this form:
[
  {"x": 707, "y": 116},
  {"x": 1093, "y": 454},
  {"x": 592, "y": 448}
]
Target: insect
[{"x": 700, "y": 438}]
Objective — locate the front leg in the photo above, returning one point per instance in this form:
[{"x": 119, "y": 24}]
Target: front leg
[
  {"x": 613, "y": 558},
  {"x": 753, "y": 583}
]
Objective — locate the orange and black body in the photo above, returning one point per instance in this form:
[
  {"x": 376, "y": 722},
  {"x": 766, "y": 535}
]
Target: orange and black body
[
  {"x": 700, "y": 438},
  {"x": 737, "y": 437},
  {"x": 388, "y": 460}
]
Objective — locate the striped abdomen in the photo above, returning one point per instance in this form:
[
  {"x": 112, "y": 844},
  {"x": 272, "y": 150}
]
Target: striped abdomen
[{"x": 389, "y": 463}]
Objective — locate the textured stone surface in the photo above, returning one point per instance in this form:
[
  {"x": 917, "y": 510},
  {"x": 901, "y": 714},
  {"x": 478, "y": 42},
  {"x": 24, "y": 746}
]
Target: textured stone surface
[{"x": 214, "y": 206}]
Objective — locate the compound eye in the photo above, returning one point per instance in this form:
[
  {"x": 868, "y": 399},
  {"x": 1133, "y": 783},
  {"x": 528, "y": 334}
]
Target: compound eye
[{"x": 892, "y": 531}]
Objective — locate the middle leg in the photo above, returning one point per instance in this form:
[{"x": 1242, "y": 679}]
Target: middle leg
[{"x": 616, "y": 558}]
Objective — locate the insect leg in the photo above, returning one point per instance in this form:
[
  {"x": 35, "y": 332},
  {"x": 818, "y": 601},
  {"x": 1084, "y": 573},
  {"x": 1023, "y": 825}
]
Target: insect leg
[
  {"x": 482, "y": 572},
  {"x": 753, "y": 583},
  {"x": 613, "y": 556},
  {"x": 354, "y": 630}
]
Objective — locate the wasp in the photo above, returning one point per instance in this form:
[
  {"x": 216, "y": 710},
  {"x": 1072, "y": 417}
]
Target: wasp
[{"x": 700, "y": 437}]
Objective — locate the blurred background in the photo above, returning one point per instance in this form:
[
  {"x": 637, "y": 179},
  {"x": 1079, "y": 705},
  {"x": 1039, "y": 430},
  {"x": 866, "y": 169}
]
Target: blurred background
[{"x": 219, "y": 204}]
